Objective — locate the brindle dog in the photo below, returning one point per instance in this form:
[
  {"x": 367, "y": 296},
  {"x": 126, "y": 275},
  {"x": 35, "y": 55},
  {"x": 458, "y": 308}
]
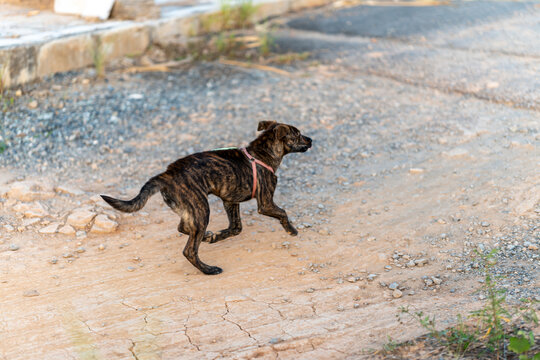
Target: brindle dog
[{"x": 228, "y": 174}]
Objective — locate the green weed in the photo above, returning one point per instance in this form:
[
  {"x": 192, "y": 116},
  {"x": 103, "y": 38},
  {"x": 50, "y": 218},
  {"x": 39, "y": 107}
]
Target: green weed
[
  {"x": 98, "y": 57},
  {"x": 230, "y": 16},
  {"x": 489, "y": 328}
]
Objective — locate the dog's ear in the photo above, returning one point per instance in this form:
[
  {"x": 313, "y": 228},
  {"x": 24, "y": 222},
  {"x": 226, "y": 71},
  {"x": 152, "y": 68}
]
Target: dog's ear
[
  {"x": 264, "y": 125},
  {"x": 281, "y": 131}
]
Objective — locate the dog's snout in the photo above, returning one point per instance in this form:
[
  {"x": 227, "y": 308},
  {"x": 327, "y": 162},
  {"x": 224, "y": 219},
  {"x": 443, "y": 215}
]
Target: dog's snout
[{"x": 308, "y": 141}]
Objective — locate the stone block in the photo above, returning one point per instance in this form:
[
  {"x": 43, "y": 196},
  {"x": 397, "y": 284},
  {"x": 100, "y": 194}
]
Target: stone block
[
  {"x": 129, "y": 40},
  {"x": 65, "y": 54},
  {"x": 18, "y": 65}
]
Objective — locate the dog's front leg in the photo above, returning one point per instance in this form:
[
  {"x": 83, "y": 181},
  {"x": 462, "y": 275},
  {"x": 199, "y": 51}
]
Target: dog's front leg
[{"x": 268, "y": 208}]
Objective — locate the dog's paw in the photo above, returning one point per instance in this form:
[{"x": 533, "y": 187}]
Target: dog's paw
[
  {"x": 292, "y": 231},
  {"x": 208, "y": 237},
  {"x": 213, "y": 270}
]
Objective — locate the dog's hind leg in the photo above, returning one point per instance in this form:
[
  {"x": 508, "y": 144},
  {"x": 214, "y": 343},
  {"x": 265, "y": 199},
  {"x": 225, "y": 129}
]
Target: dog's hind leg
[
  {"x": 235, "y": 224},
  {"x": 195, "y": 224},
  {"x": 182, "y": 228}
]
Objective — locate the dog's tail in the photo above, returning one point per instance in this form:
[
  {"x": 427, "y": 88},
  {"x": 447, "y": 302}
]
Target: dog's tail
[{"x": 151, "y": 187}]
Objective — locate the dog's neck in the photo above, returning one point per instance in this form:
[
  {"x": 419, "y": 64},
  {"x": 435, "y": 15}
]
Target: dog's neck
[{"x": 268, "y": 152}]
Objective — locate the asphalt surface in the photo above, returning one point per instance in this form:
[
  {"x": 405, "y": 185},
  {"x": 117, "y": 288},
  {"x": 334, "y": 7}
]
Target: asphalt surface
[{"x": 402, "y": 22}]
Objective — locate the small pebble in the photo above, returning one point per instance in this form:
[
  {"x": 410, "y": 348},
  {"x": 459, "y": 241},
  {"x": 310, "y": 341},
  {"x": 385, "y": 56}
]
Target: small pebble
[
  {"x": 324, "y": 232},
  {"x": 31, "y": 293},
  {"x": 13, "y": 247},
  {"x": 130, "y": 268},
  {"x": 397, "y": 293}
]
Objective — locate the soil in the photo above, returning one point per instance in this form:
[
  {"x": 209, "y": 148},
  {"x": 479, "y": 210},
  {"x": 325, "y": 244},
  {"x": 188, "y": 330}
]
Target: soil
[{"x": 399, "y": 172}]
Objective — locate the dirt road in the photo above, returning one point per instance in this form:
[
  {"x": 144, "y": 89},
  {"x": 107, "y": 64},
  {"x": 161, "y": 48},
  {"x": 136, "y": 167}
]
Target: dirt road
[{"x": 408, "y": 176}]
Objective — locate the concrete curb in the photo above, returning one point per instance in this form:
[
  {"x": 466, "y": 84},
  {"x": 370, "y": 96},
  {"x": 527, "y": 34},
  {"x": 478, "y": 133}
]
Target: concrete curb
[{"x": 23, "y": 62}]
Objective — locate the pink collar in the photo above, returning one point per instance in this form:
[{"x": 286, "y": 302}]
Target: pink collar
[{"x": 254, "y": 163}]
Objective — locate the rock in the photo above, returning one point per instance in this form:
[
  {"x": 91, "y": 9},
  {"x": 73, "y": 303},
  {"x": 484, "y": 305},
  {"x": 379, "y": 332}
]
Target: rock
[
  {"x": 63, "y": 189},
  {"x": 53, "y": 260},
  {"x": 80, "y": 218},
  {"x": 421, "y": 262},
  {"x": 324, "y": 232},
  {"x": 130, "y": 268},
  {"x": 416, "y": 171},
  {"x": 393, "y": 286},
  {"x": 456, "y": 153},
  {"x": 371, "y": 277},
  {"x": 428, "y": 282},
  {"x": 485, "y": 224},
  {"x": 30, "y": 210},
  {"x": 352, "y": 279},
  {"x": 104, "y": 225},
  {"x": 67, "y": 230},
  {"x": 50, "y": 229},
  {"x": 387, "y": 268},
  {"x": 14, "y": 247},
  {"x": 411, "y": 263},
  {"x": 532, "y": 247},
  {"x": 9, "y": 228},
  {"x": 135, "y": 10},
  {"x": 28, "y": 222},
  {"x": 340, "y": 308},
  {"x": 67, "y": 255},
  {"x": 33, "y": 104},
  {"x": 31, "y": 293},
  {"x": 101, "y": 247},
  {"x": 397, "y": 293},
  {"x": 80, "y": 250},
  {"x": 436, "y": 280},
  {"x": 37, "y": 211},
  {"x": 29, "y": 191}
]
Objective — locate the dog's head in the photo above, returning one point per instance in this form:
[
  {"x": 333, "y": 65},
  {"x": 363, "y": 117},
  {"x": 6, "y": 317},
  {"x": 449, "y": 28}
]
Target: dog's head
[{"x": 286, "y": 136}]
